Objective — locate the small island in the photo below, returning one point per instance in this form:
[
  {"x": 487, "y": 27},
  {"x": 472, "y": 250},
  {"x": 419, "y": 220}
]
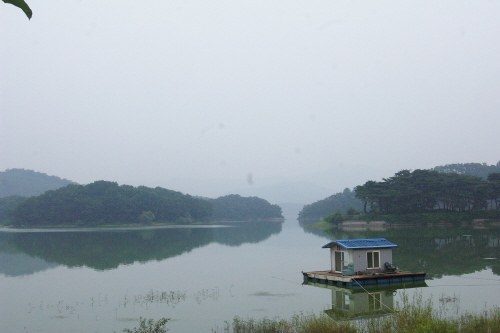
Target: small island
[{"x": 105, "y": 203}]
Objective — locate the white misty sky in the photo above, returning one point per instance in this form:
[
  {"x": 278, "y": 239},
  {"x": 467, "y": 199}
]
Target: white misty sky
[{"x": 190, "y": 94}]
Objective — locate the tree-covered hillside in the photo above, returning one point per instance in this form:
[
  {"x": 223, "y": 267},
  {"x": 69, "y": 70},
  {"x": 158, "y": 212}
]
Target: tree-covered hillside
[
  {"x": 428, "y": 190},
  {"x": 105, "y": 202},
  {"x": 236, "y": 207},
  {"x": 457, "y": 187},
  {"x": 481, "y": 170},
  {"x": 345, "y": 201},
  {"x": 27, "y": 183},
  {"x": 7, "y": 204}
]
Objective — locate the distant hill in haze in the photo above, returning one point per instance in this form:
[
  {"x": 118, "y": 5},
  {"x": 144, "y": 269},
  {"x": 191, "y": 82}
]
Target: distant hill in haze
[
  {"x": 473, "y": 169},
  {"x": 344, "y": 201},
  {"x": 236, "y": 207},
  {"x": 291, "y": 210},
  {"x": 28, "y": 183},
  {"x": 286, "y": 192}
]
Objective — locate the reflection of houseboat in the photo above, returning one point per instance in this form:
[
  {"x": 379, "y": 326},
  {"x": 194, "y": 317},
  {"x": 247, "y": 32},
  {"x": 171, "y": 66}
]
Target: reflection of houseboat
[
  {"x": 356, "y": 303},
  {"x": 357, "y": 262}
]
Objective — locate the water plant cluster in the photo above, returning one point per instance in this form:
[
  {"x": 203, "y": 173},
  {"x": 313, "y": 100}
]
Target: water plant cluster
[
  {"x": 149, "y": 326},
  {"x": 65, "y": 309},
  {"x": 170, "y": 298},
  {"x": 205, "y": 294}
]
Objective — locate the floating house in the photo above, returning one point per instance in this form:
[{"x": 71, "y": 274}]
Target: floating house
[
  {"x": 362, "y": 261},
  {"x": 363, "y": 256}
]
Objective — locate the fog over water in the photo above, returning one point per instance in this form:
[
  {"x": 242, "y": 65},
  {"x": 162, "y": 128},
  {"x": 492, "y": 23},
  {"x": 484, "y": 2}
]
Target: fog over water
[{"x": 213, "y": 97}]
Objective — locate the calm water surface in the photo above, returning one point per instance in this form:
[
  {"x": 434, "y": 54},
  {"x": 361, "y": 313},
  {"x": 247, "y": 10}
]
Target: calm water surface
[{"x": 105, "y": 280}]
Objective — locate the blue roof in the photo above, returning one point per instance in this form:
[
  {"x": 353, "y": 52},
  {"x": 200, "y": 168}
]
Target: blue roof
[{"x": 362, "y": 243}]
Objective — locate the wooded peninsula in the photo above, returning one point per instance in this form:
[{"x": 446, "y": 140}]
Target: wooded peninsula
[
  {"x": 107, "y": 203},
  {"x": 473, "y": 188}
]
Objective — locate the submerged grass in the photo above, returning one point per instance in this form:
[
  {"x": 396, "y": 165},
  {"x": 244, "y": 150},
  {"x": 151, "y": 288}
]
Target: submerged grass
[{"x": 414, "y": 315}]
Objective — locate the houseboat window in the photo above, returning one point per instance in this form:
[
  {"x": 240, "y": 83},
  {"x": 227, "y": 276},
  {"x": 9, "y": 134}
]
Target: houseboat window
[{"x": 373, "y": 259}]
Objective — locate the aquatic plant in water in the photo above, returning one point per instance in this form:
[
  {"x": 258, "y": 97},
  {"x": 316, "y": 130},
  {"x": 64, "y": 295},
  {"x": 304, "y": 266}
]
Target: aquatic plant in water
[{"x": 149, "y": 326}]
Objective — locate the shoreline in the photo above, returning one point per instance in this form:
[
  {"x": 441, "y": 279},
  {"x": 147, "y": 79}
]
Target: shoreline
[
  {"x": 380, "y": 225},
  {"x": 62, "y": 227}
]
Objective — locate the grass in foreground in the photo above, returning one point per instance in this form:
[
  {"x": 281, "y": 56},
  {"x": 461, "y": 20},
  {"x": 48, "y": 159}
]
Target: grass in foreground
[{"x": 417, "y": 316}]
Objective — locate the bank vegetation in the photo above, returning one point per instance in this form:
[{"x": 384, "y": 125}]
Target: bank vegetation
[{"x": 416, "y": 316}]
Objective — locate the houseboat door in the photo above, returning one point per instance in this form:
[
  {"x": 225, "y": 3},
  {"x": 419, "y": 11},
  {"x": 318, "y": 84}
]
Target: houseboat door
[{"x": 339, "y": 261}]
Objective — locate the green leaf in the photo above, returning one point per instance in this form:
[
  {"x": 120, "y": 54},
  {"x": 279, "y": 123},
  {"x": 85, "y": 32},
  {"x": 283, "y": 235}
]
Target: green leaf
[{"x": 21, "y": 4}]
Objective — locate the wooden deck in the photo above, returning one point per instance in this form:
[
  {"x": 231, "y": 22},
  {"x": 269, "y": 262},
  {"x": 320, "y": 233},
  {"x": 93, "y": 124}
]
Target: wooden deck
[{"x": 400, "y": 277}]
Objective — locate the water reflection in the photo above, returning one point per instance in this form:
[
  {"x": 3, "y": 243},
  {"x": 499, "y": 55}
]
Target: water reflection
[
  {"x": 108, "y": 249},
  {"x": 451, "y": 250},
  {"x": 305, "y": 224},
  {"x": 15, "y": 263},
  {"x": 358, "y": 302}
]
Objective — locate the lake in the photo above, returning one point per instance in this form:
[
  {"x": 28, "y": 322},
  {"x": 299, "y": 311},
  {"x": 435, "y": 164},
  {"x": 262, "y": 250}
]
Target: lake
[{"x": 104, "y": 280}]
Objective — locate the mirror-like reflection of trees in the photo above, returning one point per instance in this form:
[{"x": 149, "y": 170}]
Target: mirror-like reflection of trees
[
  {"x": 108, "y": 250},
  {"x": 246, "y": 232},
  {"x": 16, "y": 263},
  {"x": 305, "y": 224},
  {"x": 438, "y": 251},
  {"x": 104, "y": 250}
]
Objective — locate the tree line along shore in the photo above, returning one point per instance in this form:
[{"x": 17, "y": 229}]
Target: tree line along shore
[{"x": 469, "y": 191}]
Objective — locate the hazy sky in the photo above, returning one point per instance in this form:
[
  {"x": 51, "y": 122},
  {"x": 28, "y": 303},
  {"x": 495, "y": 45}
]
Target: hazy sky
[{"x": 186, "y": 94}]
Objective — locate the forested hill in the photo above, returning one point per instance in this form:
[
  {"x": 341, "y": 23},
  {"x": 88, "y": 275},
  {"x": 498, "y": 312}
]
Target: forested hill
[
  {"x": 108, "y": 203},
  {"x": 27, "y": 183},
  {"x": 235, "y": 207},
  {"x": 345, "y": 201},
  {"x": 459, "y": 186},
  {"x": 472, "y": 169},
  {"x": 428, "y": 190}
]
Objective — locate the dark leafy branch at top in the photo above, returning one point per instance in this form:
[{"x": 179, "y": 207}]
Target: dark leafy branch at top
[{"x": 21, "y": 4}]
